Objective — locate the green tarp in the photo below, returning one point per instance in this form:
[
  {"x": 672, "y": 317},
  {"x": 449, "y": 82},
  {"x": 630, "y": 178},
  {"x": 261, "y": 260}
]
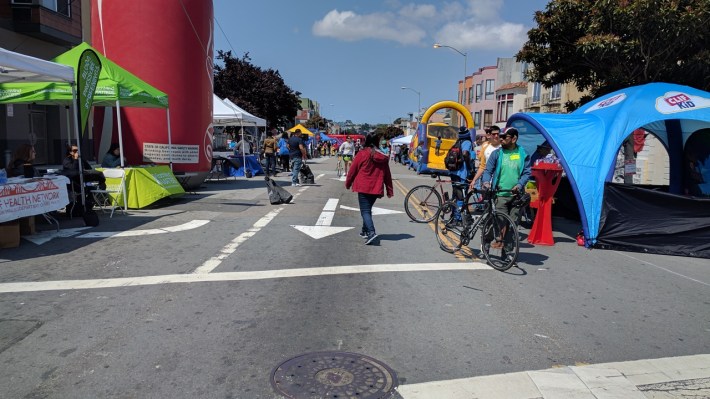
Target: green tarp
[{"x": 115, "y": 83}]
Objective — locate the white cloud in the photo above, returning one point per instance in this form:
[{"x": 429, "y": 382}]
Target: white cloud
[
  {"x": 484, "y": 11},
  {"x": 464, "y": 24},
  {"x": 349, "y": 26},
  {"x": 507, "y": 36},
  {"x": 418, "y": 11}
]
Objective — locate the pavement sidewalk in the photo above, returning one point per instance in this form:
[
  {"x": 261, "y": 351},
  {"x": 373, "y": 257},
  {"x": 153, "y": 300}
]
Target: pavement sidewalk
[{"x": 673, "y": 377}]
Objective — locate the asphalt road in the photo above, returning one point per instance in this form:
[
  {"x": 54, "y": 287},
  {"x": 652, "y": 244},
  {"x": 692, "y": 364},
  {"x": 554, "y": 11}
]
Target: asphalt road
[{"x": 94, "y": 323}]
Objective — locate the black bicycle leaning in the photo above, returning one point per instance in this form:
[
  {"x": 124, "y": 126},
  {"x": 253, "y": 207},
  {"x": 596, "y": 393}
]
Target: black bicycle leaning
[
  {"x": 456, "y": 227},
  {"x": 422, "y": 202}
]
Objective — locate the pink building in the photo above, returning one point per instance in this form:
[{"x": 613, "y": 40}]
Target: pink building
[{"x": 479, "y": 96}]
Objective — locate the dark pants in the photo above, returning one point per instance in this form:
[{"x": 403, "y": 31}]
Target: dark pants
[
  {"x": 366, "y": 202},
  {"x": 285, "y": 167},
  {"x": 270, "y": 164}
]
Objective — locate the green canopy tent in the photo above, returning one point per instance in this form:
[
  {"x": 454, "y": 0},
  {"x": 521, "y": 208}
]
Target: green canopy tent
[{"x": 116, "y": 87}]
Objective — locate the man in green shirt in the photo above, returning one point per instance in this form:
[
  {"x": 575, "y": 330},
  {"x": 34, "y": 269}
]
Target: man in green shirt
[{"x": 507, "y": 168}]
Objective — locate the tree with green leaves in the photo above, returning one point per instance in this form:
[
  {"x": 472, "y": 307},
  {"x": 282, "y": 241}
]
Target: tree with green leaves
[
  {"x": 316, "y": 121},
  {"x": 606, "y": 45},
  {"x": 260, "y": 92}
]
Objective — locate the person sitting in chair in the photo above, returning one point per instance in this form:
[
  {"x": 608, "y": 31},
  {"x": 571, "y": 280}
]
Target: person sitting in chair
[
  {"x": 112, "y": 158},
  {"x": 70, "y": 168},
  {"x": 22, "y": 157}
]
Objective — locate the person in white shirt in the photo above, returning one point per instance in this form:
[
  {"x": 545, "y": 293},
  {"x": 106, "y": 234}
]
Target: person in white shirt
[
  {"x": 243, "y": 146},
  {"x": 347, "y": 151},
  {"x": 487, "y": 149}
]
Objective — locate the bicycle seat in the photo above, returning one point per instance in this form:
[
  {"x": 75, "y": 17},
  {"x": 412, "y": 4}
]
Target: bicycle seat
[{"x": 460, "y": 184}]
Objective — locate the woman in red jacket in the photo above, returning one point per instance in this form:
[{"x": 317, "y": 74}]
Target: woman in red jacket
[{"x": 368, "y": 176}]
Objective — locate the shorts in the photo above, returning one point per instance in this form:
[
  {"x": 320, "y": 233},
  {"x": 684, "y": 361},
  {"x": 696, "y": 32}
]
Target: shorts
[{"x": 347, "y": 158}]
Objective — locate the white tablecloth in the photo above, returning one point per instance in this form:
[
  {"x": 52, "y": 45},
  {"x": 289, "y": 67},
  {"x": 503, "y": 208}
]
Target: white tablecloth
[{"x": 26, "y": 197}]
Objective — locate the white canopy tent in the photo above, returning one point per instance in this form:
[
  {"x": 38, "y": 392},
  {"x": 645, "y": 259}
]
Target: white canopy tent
[
  {"x": 227, "y": 113},
  {"x": 246, "y": 118},
  {"x": 403, "y": 140},
  {"x": 16, "y": 67},
  {"x": 223, "y": 114}
]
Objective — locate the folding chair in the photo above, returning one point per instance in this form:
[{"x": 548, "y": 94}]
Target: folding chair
[{"x": 113, "y": 195}]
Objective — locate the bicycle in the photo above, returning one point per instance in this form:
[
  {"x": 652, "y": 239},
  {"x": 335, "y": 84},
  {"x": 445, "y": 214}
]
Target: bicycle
[
  {"x": 456, "y": 227},
  {"x": 339, "y": 166},
  {"x": 426, "y": 200}
]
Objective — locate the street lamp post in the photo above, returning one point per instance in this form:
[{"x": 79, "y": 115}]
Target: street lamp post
[
  {"x": 419, "y": 95},
  {"x": 463, "y": 82}
]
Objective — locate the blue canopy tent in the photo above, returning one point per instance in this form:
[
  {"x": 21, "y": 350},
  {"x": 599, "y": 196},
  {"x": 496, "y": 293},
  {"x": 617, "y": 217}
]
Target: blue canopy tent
[
  {"x": 588, "y": 140},
  {"x": 325, "y": 137}
]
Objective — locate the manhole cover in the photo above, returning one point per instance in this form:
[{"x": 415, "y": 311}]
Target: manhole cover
[{"x": 333, "y": 375}]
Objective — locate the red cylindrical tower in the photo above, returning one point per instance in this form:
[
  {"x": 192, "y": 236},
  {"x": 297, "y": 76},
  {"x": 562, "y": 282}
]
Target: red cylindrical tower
[{"x": 169, "y": 45}]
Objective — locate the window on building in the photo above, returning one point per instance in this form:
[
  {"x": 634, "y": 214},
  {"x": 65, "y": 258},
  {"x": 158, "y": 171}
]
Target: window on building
[
  {"x": 504, "y": 107},
  {"x": 470, "y": 95},
  {"x": 60, "y": 6},
  {"x": 490, "y": 89},
  {"x": 477, "y": 118},
  {"x": 556, "y": 92},
  {"x": 537, "y": 88},
  {"x": 479, "y": 92},
  {"x": 487, "y": 118}
]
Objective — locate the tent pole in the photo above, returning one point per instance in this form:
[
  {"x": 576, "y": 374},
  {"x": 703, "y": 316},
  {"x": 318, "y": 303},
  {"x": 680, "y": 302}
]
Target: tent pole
[
  {"x": 170, "y": 141},
  {"x": 66, "y": 109},
  {"x": 244, "y": 153},
  {"x": 120, "y": 148},
  {"x": 78, "y": 145}
]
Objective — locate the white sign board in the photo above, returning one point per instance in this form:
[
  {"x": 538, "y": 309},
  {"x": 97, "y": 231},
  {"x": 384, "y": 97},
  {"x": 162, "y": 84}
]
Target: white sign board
[{"x": 182, "y": 153}]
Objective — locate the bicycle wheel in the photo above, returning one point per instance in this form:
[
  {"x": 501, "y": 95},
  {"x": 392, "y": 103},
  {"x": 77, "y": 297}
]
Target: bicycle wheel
[
  {"x": 499, "y": 241},
  {"x": 339, "y": 170},
  {"x": 448, "y": 228},
  {"x": 422, "y": 203}
]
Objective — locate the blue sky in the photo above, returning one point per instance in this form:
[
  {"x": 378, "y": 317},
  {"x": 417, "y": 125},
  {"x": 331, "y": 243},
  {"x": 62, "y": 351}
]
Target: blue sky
[{"x": 356, "y": 55}]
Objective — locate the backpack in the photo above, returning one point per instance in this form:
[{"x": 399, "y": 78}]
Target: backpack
[{"x": 454, "y": 158}]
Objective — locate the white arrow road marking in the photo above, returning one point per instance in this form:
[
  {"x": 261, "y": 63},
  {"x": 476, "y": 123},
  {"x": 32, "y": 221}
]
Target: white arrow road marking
[
  {"x": 32, "y": 286},
  {"x": 375, "y": 210},
  {"x": 193, "y": 224},
  {"x": 323, "y": 226},
  {"x": 44, "y": 236}
]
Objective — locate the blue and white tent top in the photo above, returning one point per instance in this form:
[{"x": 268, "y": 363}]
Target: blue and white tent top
[{"x": 588, "y": 139}]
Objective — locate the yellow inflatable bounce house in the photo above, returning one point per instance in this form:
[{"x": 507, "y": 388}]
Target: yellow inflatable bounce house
[{"x": 431, "y": 160}]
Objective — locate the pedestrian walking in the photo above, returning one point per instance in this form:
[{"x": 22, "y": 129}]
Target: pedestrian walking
[
  {"x": 269, "y": 150},
  {"x": 369, "y": 176},
  {"x": 283, "y": 153},
  {"x": 297, "y": 152}
]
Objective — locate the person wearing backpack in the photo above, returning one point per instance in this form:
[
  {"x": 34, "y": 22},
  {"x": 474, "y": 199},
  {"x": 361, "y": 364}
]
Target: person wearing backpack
[{"x": 458, "y": 162}]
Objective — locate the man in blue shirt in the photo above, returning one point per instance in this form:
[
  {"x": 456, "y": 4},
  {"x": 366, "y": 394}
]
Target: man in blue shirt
[
  {"x": 466, "y": 170},
  {"x": 297, "y": 152}
]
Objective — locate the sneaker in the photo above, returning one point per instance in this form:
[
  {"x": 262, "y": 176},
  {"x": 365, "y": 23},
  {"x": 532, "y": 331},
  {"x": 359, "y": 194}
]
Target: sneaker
[
  {"x": 295, "y": 184},
  {"x": 363, "y": 235},
  {"x": 370, "y": 239}
]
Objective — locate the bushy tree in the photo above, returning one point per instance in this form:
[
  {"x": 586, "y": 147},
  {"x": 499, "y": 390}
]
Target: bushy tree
[
  {"x": 606, "y": 45},
  {"x": 316, "y": 121},
  {"x": 260, "y": 92}
]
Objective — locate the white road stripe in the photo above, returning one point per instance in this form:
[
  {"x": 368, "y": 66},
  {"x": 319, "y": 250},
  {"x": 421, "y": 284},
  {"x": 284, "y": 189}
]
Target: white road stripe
[
  {"x": 212, "y": 263},
  {"x": 193, "y": 224},
  {"x": 234, "y": 276}
]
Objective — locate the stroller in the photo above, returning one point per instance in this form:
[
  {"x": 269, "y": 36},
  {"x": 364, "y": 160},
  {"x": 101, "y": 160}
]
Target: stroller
[{"x": 306, "y": 176}]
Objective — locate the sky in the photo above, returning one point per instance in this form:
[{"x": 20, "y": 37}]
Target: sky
[{"x": 354, "y": 57}]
